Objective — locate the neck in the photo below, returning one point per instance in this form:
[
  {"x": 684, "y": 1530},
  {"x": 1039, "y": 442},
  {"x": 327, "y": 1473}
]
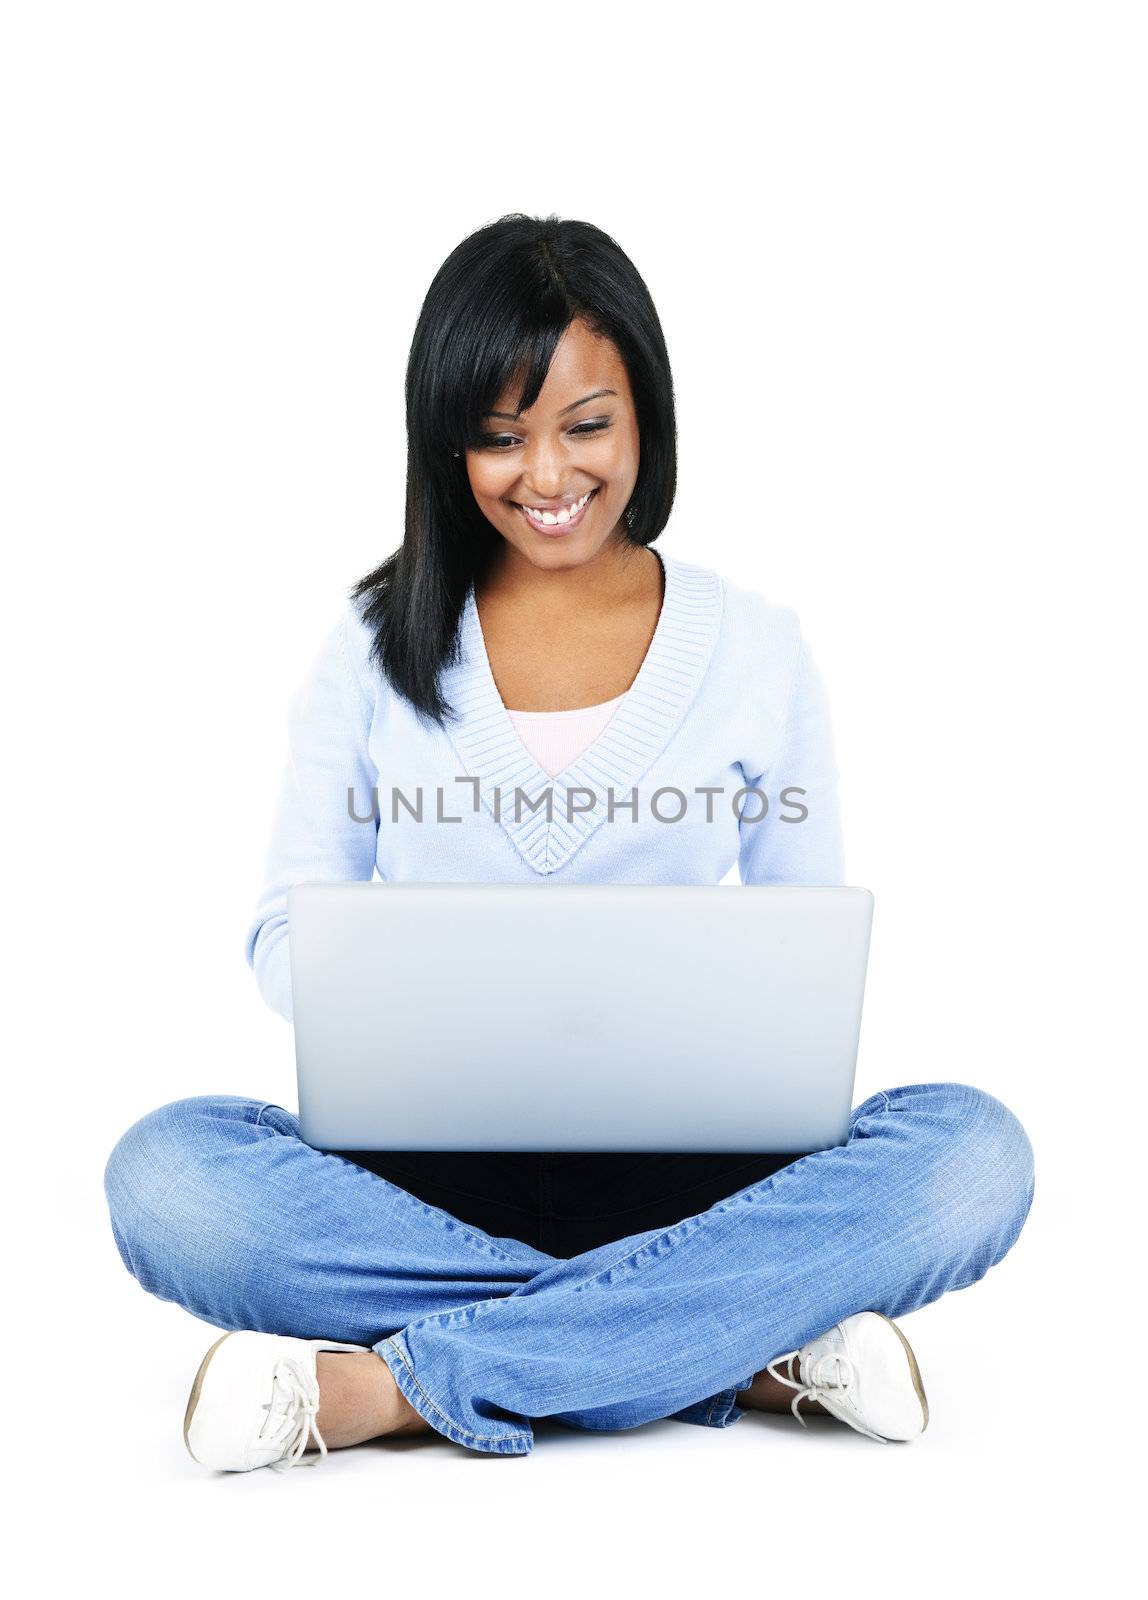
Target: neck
[{"x": 617, "y": 574}]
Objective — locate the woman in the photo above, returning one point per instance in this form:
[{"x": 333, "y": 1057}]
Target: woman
[{"x": 526, "y": 635}]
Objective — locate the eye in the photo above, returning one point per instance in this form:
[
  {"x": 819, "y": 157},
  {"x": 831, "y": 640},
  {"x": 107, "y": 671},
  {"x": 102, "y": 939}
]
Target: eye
[{"x": 504, "y": 441}]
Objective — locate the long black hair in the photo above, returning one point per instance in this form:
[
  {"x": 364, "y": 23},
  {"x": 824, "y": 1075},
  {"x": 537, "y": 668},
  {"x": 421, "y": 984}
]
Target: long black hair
[{"x": 498, "y": 306}]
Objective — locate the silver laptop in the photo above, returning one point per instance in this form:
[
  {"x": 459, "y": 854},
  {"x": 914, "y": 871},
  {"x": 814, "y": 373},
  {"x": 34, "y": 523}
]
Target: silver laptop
[{"x": 547, "y": 1017}]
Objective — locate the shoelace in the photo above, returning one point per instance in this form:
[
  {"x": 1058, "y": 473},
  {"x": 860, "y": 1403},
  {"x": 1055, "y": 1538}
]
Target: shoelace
[
  {"x": 832, "y": 1371},
  {"x": 291, "y": 1413}
]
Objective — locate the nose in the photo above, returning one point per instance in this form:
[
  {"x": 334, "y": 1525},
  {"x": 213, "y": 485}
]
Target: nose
[{"x": 544, "y": 471}]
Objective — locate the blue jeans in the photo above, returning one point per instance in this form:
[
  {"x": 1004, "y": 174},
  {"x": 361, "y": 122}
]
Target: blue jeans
[{"x": 217, "y": 1204}]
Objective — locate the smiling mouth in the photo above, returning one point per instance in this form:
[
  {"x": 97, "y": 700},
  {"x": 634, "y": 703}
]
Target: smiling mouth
[{"x": 556, "y": 522}]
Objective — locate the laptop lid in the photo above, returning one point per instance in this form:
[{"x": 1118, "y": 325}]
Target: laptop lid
[{"x": 546, "y": 1017}]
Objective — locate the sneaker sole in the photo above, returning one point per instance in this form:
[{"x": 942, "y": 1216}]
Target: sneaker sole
[
  {"x": 914, "y": 1369},
  {"x": 193, "y": 1397}
]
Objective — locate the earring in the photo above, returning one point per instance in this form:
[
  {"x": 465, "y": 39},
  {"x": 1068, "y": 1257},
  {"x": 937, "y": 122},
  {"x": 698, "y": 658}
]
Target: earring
[{"x": 456, "y": 455}]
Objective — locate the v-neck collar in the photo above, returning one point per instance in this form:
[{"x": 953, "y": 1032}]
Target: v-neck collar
[{"x": 487, "y": 742}]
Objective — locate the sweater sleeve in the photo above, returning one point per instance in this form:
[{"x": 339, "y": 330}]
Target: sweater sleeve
[
  {"x": 314, "y": 837},
  {"x": 798, "y": 840}
]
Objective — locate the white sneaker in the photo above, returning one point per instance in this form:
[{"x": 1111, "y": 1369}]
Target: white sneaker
[
  {"x": 864, "y": 1373},
  {"x": 254, "y": 1402}
]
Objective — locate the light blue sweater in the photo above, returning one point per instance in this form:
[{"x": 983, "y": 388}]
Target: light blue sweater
[{"x": 727, "y": 700}]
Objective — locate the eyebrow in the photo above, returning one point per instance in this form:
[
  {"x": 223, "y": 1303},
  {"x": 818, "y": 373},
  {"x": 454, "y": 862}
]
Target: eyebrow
[{"x": 510, "y": 416}]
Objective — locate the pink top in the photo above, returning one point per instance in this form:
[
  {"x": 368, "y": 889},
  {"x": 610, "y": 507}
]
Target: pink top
[{"x": 557, "y": 738}]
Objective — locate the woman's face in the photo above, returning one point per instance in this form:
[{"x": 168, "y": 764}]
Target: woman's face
[{"x": 580, "y": 437}]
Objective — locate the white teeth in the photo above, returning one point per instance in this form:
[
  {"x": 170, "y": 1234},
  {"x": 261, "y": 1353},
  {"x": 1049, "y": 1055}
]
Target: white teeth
[{"x": 551, "y": 518}]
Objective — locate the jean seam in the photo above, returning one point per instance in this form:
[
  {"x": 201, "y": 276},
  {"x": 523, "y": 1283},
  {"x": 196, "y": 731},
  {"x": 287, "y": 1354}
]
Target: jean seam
[
  {"x": 715, "y": 1401},
  {"x": 770, "y": 1183},
  {"x": 682, "y": 1229},
  {"x": 484, "y": 1247},
  {"x": 614, "y": 1265},
  {"x": 479, "y": 1438}
]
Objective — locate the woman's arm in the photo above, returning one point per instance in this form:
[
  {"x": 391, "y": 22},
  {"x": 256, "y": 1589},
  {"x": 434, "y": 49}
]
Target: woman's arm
[
  {"x": 314, "y": 838},
  {"x": 805, "y": 849}
]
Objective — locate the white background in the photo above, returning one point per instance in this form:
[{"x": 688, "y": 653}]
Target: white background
[{"x": 899, "y": 255}]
